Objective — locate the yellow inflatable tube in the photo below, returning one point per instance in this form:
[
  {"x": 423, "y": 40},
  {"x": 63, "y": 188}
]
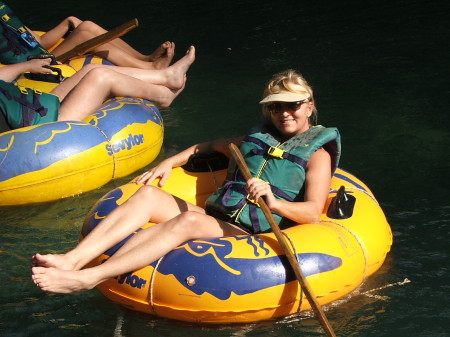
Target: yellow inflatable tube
[
  {"x": 247, "y": 278},
  {"x": 60, "y": 159}
]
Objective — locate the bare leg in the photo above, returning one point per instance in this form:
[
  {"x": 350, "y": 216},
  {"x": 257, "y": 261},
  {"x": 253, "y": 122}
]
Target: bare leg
[
  {"x": 84, "y": 99},
  {"x": 147, "y": 204},
  {"x": 171, "y": 77},
  {"x": 116, "y": 51},
  {"x": 104, "y": 82},
  {"x": 145, "y": 247}
]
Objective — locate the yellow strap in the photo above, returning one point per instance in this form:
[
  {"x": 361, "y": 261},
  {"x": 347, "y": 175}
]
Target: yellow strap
[
  {"x": 23, "y": 90},
  {"x": 276, "y": 152},
  {"x": 22, "y": 29},
  {"x": 252, "y": 200},
  {"x": 5, "y": 17}
]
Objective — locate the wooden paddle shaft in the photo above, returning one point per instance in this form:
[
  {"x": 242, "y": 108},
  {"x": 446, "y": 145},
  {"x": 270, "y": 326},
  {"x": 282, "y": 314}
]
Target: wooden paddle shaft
[
  {"x": 282, "y": 241},
  {"x": 89, "y": 45}
]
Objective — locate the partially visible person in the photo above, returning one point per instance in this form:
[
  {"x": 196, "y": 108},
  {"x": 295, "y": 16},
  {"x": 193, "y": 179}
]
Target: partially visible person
[
  {"x": 79, "y": 95},
  {"x": 17, "y": 42},
  {"x": 291, "y": 161}
]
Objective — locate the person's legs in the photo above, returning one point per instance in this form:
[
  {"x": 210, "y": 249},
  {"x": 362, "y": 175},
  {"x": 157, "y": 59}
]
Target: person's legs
[
  {"x": 171, "y": 77},
  {"x": 117, "y": 50},
  {"x": 147, "y": 204},
  {"x": 82, "y": 93},
  {"x": 96, "y": 30},
  {"x": 142, "y": 249}
]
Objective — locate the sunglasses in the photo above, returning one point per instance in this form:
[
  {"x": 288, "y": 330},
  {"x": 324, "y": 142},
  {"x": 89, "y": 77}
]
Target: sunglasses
[{"x": 285, "y": 106}]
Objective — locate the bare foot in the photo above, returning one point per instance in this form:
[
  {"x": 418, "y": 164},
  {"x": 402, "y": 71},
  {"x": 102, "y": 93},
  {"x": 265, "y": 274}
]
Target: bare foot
[
  {"x": 62, "y": 281},
  {"x": 166, "y": 101},
  {"x": 52, "y": 261},
  {"x": 175, "y": 75},
  {"x": 164, "y": 60},
  {"x": 160, "y": 51}
]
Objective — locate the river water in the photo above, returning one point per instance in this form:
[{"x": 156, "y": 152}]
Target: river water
[{"x": 380, "y": 70}]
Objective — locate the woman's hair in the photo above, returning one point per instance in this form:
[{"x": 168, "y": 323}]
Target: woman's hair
[{"x": 283, "y": 82}]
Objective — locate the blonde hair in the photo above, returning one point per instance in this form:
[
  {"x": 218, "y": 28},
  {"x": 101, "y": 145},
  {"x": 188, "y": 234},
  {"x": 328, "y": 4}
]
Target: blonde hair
[{"x": 289, "y": 80}]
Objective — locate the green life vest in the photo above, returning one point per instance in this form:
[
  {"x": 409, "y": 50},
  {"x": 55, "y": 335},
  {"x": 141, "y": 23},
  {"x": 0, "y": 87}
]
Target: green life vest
[
  {"x": 24, "y": 107},
  {"x": 282, "y": 165},
  {"x": 16, "y": 42}
]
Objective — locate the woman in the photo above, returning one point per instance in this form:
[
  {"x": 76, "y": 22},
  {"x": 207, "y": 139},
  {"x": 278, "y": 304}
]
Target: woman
[
  {"x": 289, "y": 107},
  {"x": 81, "y": 94}
]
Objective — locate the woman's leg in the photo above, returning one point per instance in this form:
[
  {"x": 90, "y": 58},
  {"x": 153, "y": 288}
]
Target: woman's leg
[
  {"x": 96, "y": 30},
  {"x": 149, "y": 203},
  {"x": 169, "y": 77},
  {"x": 142, "y": 249},
  {"x": 116, "y": 51},
  {"x": 83, "y": 93},
  {"x": 53, "y": 36}
]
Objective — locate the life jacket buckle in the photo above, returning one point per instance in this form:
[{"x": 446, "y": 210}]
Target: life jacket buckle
[
  {"x": 22, "y": 30},
  {"x": 252, "y": 200},
  {"x": 37, "y": 91},
  {"x": 276, "y": 152},
  {"x": 5, "y": 17},
  {"x": 23, "y": 90}
]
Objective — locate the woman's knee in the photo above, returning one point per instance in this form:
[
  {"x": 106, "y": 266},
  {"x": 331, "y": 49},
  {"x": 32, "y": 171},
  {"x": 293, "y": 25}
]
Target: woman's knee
[
  {"x": 91, "y": 27},
  {"x": 98, "y": 75},
  {"x": 148, "y": 194},
  {"x": 189, "y": 223}
]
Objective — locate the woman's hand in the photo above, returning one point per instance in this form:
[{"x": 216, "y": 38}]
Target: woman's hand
[
  {"x": 162, "y": 171},
  {"x": 257, "y": 188},
  {"x": 39, "y": 66}
]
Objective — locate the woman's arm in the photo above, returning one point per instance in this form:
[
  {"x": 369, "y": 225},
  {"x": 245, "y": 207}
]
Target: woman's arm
[
  {"x": 10, "y": 72},
  {"x": 164, "y": 168},
  {"x": 317, "y": 186}
]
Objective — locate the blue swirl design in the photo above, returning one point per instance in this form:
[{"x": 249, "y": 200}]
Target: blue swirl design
[{"x": 40, "y": 146}]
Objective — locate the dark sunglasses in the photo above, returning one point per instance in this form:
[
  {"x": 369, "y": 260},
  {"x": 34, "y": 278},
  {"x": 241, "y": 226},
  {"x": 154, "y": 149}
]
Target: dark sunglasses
[{"x": 285, "y": 106}]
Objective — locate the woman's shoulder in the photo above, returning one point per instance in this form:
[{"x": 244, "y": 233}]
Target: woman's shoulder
[{"x": 321, "y": 158}]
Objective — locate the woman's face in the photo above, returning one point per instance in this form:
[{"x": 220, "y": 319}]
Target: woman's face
[{"x": 290, "y": 118}]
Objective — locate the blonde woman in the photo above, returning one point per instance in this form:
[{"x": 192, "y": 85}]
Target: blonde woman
[{"x": 295, "y": 184}]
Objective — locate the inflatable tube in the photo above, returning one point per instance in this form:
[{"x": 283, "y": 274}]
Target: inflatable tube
[
  {"x": 47, "y": 83},
  {"x": 55, "y": 160},
  {"x": 247, "y": 278}
]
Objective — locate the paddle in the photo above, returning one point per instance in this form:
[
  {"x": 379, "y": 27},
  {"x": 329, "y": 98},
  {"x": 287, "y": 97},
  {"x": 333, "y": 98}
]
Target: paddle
[
  {"x": 281, "y": 240},
  {"x": 88, "y": 45}
]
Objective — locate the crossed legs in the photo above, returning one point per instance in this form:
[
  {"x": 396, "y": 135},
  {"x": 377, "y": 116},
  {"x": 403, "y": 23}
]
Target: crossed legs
[
  {"x": 82, "y": 93},
  {"x": 117, "y": 51},
  {"x": 178, "y": 222}
]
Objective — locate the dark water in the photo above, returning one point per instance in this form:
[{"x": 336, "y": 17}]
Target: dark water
[{"x": 380, "y": 70}]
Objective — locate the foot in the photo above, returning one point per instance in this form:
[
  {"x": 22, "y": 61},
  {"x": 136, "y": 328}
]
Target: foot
[
  {"x": 59, "y": 281},
  {"x": 165, "y": 102},
  {"x": 163, "y": 55},
  {"x": 175, "y": 75},
  {"x": 52, "y": 261}
]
